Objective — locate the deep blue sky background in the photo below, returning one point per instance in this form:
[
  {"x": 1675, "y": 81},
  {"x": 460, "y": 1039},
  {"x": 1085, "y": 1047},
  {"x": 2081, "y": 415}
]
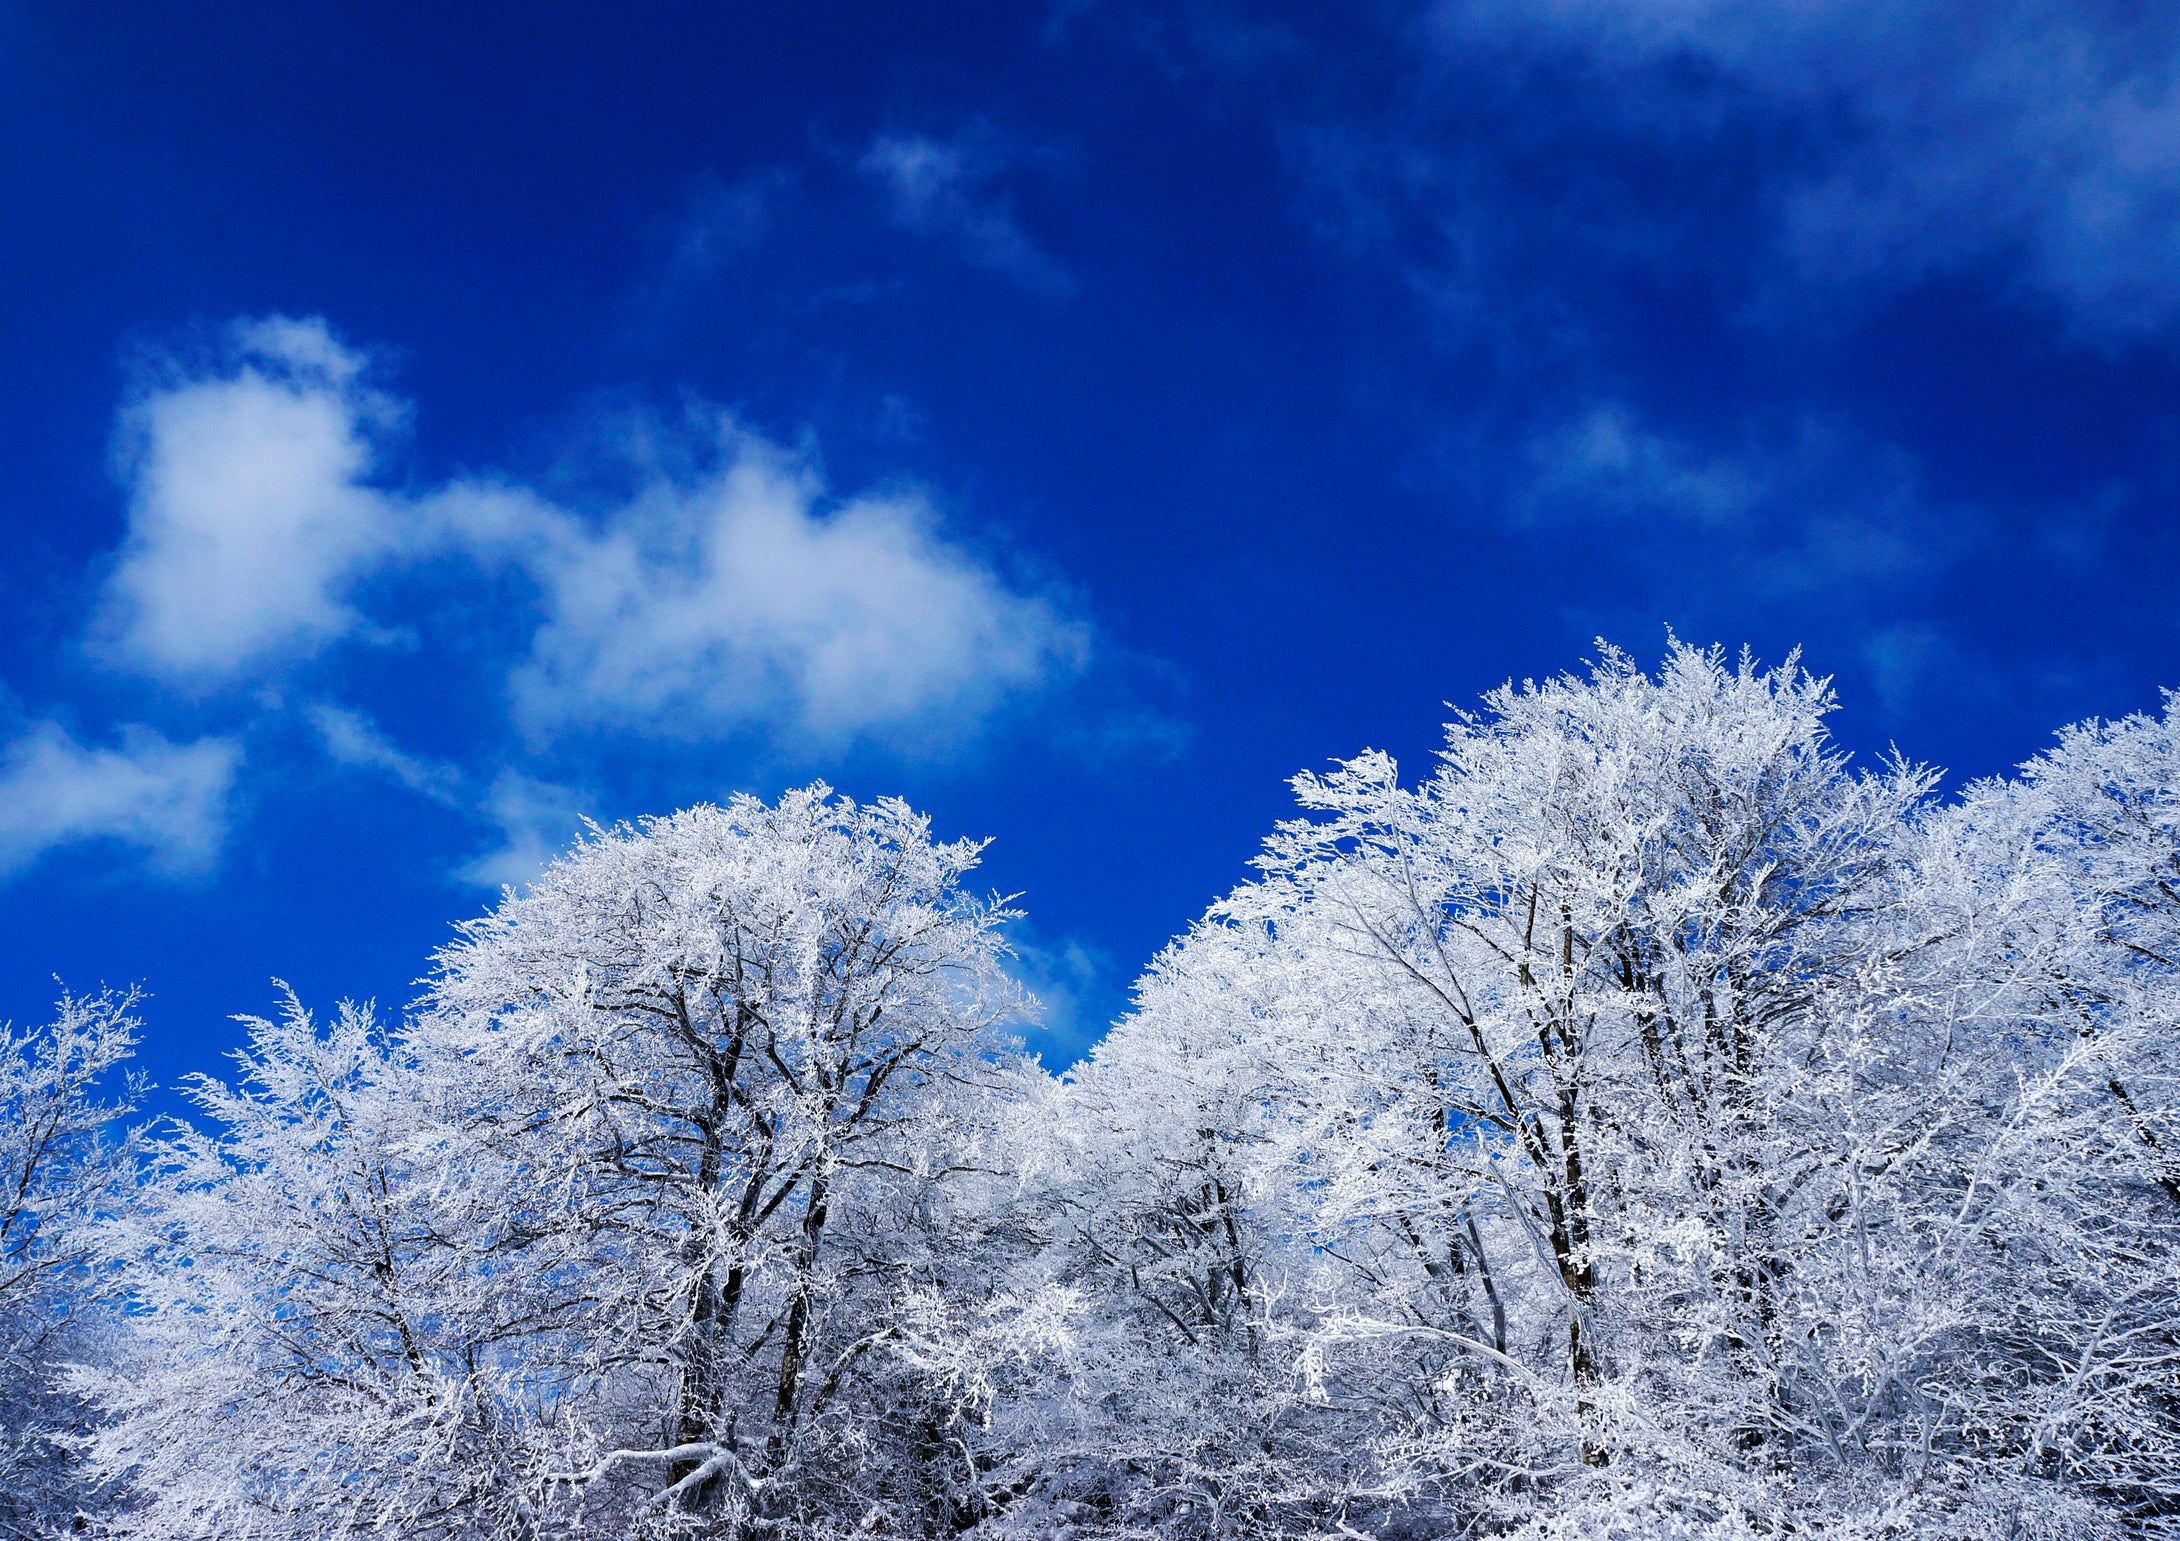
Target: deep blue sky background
[{"x": 1274, "y": 374}]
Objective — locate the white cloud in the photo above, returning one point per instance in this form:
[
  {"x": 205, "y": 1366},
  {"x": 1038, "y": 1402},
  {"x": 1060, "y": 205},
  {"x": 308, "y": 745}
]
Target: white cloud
[
  {"x": 537, "y": 821},
  {"x": 1931, "y": 135},
  {"x": 354, "y": 740},
  {"x": 743, "y": 598},
  {"x": 249, "y": 519},
  {"x": 168, "y": 800},
  {"x": 707, "y": 604},
  {"x": 947, "y": 187}
]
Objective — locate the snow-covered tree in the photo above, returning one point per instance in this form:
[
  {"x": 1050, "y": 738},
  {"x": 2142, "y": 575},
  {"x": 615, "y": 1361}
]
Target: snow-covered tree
[
  {"x": 746, "y": 1056},
  {"x": 1647, "y": 1123},
  {"x": 666, "y": 1211},
  {"x": 1644, "y": 1124},
  {"x": 65, "y": 1168},
  {"x": 322, "y": 1345},
  {"x": 2096, "y": 822}
]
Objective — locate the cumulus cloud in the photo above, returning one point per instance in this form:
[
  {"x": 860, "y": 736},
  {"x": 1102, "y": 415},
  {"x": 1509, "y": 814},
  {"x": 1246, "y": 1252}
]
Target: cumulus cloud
[
  {"x": 746, "y": 596},
  {"x": 1924, "y": 136},
  {"x": 250, "y": 519},
  {"x": 708, "y": 603},
  {"x": 950, "y": 187},
  {"x": 167, "y": 800}
]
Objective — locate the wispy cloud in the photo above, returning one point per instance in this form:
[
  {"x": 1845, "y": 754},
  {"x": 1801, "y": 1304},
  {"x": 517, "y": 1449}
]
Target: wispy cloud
[
  {"x": 534, "y": 819},
  {"x": 1605, "y": 462},
  {"x": 354, "y": 740},
  {"x": 721, "y": 222},
  {"x": 167, "y": 800},
  {"x": 537, "y": 820},
  {"x": 1077, "y": 986},
  {"x": 718, "y": 225},
  {"x": 1808, "y": 507},
  {"x": 951, "y": 187},
  {"x": 1911, "y": 139}
]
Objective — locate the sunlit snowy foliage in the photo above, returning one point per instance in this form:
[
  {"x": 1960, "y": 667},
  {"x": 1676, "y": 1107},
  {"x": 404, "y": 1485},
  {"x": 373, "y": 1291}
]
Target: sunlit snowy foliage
[
  {"x": 1643, "y": 1124},
  {"x": 66, "y": 1168}
]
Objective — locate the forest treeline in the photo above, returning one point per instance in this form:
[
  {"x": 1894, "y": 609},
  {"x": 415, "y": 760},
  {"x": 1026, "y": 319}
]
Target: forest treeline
[{"x": 1645, "y": 1124}]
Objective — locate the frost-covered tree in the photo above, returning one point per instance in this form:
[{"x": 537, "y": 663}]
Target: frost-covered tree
[
  {"x": 666, "y": 1211},
  {"x": 2095, "y": 822},
  {"x": 748, "y": 1057},
  {"x": 65, "y": 1168},
  {"x": 2069, "y": 878},
  {"x": 322, "y": 1345},
  {"x": 1645, "y": 1124},
  {"x": 1159, "y": 1202}
]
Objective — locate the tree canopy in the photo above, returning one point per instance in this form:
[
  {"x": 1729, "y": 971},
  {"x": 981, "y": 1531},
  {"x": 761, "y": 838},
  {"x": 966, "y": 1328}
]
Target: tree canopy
[{"x": 1645, "y": 1123}]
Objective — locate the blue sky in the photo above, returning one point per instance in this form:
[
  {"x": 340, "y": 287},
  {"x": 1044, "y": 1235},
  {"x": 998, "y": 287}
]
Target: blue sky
[{"x": 429, "y": 425}]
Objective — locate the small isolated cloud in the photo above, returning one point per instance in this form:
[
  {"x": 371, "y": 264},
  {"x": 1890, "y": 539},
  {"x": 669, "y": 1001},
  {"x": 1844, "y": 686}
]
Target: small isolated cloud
[
  {"x": 354, "y": 740},
  {"x": 1811, "y": 508},
  {"x": 1926, "y": 136},
  {"x": 950, "y": 188},
  {"x": 537, "y": 820},
  {"x": 249, "y": 517},
  {"x": 748, "y": 596},
  {"x": 167, "y": 800}
]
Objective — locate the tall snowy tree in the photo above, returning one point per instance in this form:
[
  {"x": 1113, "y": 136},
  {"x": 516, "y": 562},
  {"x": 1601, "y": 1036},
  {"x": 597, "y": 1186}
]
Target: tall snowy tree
[
  {"x": 65, "y": 1169},
  {"x": 665, "y": 1212},
  {"x": 751, "y": 1054}
]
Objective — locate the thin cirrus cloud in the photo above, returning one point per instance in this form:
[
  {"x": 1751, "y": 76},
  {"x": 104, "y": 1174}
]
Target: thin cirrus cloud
[
  {"x": 1928, "y": 137},
  {"x": 166, "y": 800},
  {"x": 721, "y": 222},
  {"x": 534, "y": 819},
  {"x": 1805, "y": 508},
  {"x": 353, "y": 740},
  {"x": 950, "y": 187},
  {"x": 742, "y": 596}
]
